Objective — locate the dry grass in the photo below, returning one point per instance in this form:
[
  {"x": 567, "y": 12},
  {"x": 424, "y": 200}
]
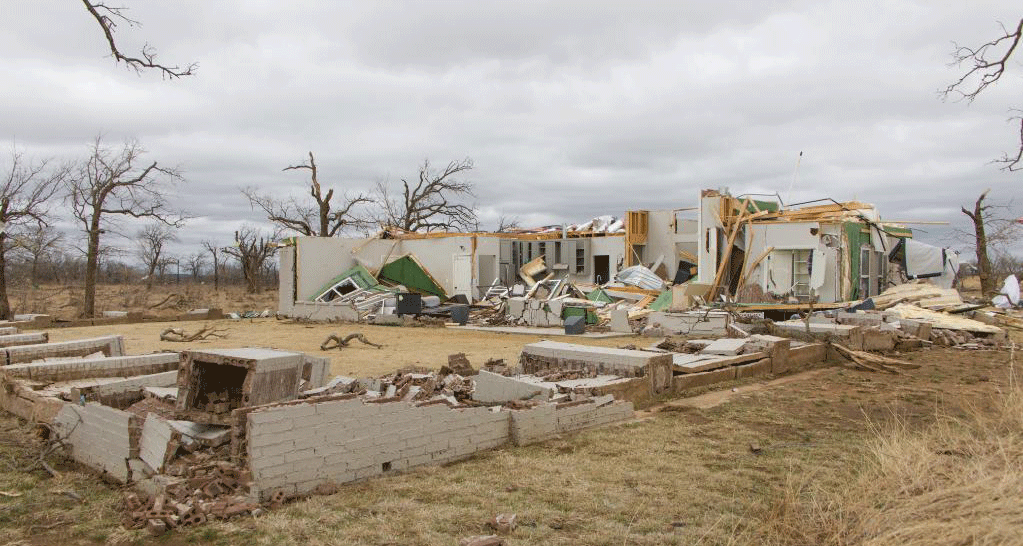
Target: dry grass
[
  {"x": 958, "y": 481},
  {"x": 65, "y": 302},
  {"x": 685, "y": 476}
]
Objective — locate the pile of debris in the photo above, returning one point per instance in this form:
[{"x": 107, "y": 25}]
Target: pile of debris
[
  {"x": 221, "y": 433},
  {"x": 402, "y": 287}
]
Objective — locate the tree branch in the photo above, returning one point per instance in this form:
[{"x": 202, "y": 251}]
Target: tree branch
[{"x": 107, "y": 22}]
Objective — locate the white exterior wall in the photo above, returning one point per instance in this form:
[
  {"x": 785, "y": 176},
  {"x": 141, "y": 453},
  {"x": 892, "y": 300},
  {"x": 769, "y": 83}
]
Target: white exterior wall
[{"x": 774, "y": 273}]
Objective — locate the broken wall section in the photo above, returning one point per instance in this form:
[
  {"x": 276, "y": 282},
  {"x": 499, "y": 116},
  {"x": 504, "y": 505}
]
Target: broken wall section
[
  {"x": 101, "y": 437},
  {"x": 294, "y": 448}
]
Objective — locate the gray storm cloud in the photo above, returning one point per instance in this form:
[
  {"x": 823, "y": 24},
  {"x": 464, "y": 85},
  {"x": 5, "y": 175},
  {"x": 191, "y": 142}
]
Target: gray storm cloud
[{"x": 569, "y": 109}]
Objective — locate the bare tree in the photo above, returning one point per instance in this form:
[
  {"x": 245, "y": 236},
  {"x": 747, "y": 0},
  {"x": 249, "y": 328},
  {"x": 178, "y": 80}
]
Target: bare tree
[
  {"x": 108, "y": 18},
  {"x": 150, "y": 242},
  {"x": 986, "y": 66},
  {"x": 320, "y": 219},
  {"x": 432, "y": 203},
  {"x": 505, "y": 224},
  {"x": 989, "y": 230},
  {"x": 194, "y": 264},
  {"x": 214, "y": 251},
  {"x": 117, "y": 183},
  {"x": 39, "y": 243},
  {"x": 252, "y": 249},
  {"x": 25, "y": 193}
]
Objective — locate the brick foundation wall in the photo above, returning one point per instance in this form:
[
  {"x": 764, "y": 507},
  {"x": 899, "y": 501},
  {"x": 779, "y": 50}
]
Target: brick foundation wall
[
  {"x": 108, "y": 345},
  {"x": 294, "y": 448},
  {"x": 87, "y": 368},
  {"x": 101, "y": 437}
]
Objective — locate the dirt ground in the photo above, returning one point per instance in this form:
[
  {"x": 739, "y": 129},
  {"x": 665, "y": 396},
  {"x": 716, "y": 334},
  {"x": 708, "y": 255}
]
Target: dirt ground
[
  {"x": 704, "y": 470},
  {"x": 426, "y": 346}
]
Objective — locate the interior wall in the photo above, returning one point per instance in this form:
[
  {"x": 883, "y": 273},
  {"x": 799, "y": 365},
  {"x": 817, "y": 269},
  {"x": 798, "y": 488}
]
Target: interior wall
[
  {"x": 774, "y": 273},
  {"x": 611, "y": 245},
  {"x": 709, "y": 226},
  {"x": 664, "y": 239}
]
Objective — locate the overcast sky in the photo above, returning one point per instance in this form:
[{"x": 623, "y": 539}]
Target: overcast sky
[{"x": 568, "y": 109}]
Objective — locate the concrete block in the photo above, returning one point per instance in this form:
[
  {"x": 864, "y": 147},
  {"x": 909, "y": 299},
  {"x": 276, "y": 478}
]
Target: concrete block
[
  {"x": 11, "y": 340},
  {"x": 702, "y": 379},
  {"x": 108, "y": 345},
  {"x": 760, "y": 367},
  {"x": 154, "y": 442},
  {"x": 713, "y": 323},
  {"x": 494, "y": 388},
  {"x": 858, "y": 318},
  {"x": 620, "y": 321},
  {"x": 724, "y": 346}
]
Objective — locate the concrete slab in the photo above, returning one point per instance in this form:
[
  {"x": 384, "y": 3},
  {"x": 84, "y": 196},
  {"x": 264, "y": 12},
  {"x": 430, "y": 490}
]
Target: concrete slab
[
  {"x": 536, "y": 330},
  {"x": 491, "y": 388},
  {"x": 724, "y": 346}
]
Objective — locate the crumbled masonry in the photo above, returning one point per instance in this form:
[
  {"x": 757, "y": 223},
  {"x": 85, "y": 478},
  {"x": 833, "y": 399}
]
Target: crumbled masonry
[{"x": 221, "y": 433}]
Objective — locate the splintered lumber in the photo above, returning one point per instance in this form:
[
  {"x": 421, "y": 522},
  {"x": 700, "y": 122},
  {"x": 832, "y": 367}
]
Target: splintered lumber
[
  {"x": 942, "y": 320},
  {"x": 734, "y": 227},
  {"x": 923, "y": 295},
  {"x": 872, "y": 362}
]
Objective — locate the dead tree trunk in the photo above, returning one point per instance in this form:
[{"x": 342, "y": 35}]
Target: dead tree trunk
[
  {"x": 91, "y": 268},
  {"x": 987, "y": 282},
  {"x": 5, "y": 304}
]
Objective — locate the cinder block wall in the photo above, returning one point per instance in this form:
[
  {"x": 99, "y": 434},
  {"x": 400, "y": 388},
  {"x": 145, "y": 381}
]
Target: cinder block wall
[
  {"x": 590, "y": 415},
  {"x": 108, "y": 345},
  {"x": 101, "y": 437},
  {"x": 294, "y": 448},
  {"x": 88, "y": 368}
]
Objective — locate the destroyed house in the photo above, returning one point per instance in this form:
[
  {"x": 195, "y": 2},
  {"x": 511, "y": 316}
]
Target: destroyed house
[{"x": 743, "y": 249}]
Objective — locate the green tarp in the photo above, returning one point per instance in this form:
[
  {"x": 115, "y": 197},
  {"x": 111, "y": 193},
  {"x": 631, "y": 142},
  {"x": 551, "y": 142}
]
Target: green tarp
[
  {"x": 407, "y": 272},
  {"x": 599, "y": 295},
  {"x": 662, "y": 303}
]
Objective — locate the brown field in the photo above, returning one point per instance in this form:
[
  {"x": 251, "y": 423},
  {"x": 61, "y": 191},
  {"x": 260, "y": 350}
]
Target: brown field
[
  {"x": 686, "y": 474},
  {"x": 65, "y": 302}
]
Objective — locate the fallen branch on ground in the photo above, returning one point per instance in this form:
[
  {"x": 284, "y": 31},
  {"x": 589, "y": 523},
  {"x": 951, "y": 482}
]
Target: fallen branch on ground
[
  {"x": 164, "y": 301},
  {"x": 872, "y": 362},
  {"x": 340, "y": 343},
  {"x": 179, "y": 334}
]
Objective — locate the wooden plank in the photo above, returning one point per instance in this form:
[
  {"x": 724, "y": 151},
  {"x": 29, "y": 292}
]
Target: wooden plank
[{"x": 633, "y": 290}]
